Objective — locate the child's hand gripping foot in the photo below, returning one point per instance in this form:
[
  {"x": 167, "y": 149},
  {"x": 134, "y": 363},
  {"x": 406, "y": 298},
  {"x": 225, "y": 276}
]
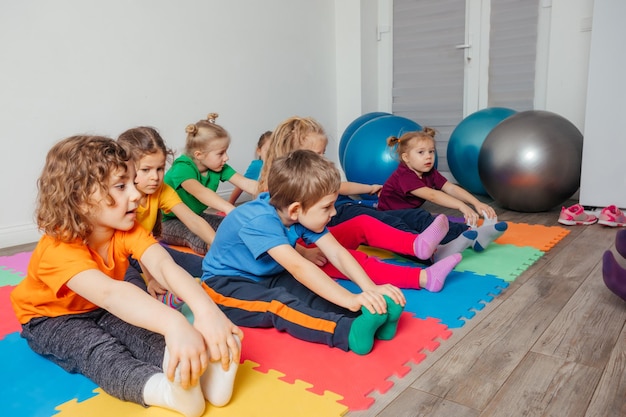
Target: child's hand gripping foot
[
  {"x": 388, "y": 330},
  {"x": 161, "y": 392},
  {"x": 216, "y": 383},
  {"x": 426, "y": 242},
  {"x": 363, "y": 330},
  {"x": 433, "y": 277}
]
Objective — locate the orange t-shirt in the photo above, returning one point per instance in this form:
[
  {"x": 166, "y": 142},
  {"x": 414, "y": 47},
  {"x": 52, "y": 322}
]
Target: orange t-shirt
[{"x": 44, "y": 293}]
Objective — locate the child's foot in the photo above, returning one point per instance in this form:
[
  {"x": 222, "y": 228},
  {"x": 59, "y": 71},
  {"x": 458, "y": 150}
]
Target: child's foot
[
  {"x": 171, "y": 300},
  {"x": 388, "y": 330},
  {"x": 217, "y": 384},
  {"x": 161, "y": 392},
  {"x": 487, "y": 234},
  {"x": 364, "y": 327},
  {"x": 620, "y": 242},
  {"x": 437, "y": 273},
  {"x": 614, "y": 275},
  {"x": 426, "y": 242},
  {"x": 458, "y": 245}
]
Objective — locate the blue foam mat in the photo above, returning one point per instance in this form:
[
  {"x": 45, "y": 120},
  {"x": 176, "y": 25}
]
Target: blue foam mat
[
  {"x": 462, "y": 294},
  {"x": 32, "y": 385}
]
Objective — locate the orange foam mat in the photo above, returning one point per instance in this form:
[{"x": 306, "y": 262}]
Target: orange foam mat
[
  {"x": 256, "y": 394},
  {"x": 537, "y": 236}
]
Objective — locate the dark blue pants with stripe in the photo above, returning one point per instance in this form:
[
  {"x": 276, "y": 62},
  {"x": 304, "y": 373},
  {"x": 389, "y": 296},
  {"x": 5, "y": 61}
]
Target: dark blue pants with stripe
[{"x": 284, "y": 303}]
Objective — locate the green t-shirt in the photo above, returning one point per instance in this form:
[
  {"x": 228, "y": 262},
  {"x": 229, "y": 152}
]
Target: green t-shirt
[{"x": 184, "y": 169}]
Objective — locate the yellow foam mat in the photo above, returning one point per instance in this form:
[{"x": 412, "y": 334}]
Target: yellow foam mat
[{"x": 255, "y": 394}]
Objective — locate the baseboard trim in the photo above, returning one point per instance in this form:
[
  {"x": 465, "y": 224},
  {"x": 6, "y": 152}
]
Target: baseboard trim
[{"x": 18, "y": 235}]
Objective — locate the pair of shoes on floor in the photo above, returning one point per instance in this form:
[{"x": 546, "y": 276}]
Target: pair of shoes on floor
[
  {"x": 575, "y": 216},
  {"x": 612, "y": 216}
]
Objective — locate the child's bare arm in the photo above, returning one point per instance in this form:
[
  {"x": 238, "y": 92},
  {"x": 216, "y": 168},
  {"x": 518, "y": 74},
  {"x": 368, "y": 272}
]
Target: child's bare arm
[
  {"x": 234, "y": 195},
  {"x": 207, "y": 196},
  {"x": 345, "y": 262},
  {"x": 444, "y": 199},
  {"x": 133, "y": 305},
  {"x": 314, "y": 255},
  {"x": 463, "y": 195},
  {"x": 216, "y": 328},
  {"x": 152, "y": 285},
  {"x": 195, "y": 223},
  {"x": 317, "y": 281},
  {"x": 351, "y": 188},
  {"x": 246, "y": 184}
]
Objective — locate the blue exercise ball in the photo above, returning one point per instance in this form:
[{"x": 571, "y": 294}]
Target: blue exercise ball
[
  {"x": 367, "y": 158},
  {"x": 352, "y": 127},
  {"x": 465, "y": 143},
  {"x": 531, "y": 161}
]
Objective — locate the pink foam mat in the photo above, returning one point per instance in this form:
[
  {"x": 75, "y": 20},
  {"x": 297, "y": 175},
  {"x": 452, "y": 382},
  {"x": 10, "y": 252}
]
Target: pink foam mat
[{"x": 18, "y": 262}]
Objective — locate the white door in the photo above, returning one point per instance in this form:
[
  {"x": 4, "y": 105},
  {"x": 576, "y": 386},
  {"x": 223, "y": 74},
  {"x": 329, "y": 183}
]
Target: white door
[
  {"x": 428, "y": 65},
  {"x": 454, "y": 57}
]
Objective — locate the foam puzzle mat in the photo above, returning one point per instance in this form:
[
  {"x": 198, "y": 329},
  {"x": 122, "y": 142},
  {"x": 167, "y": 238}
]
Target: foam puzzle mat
[{"x": 280, "y": 375}]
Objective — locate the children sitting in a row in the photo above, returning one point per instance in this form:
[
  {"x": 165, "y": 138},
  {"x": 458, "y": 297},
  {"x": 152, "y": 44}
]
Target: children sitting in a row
[{"x": 268, "y": 264}]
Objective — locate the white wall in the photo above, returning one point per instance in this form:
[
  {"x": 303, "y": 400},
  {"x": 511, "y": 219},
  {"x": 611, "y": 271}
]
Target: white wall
[
  {"x": 569, "y": 38},
  {"x": 76, "y": 66},
  {"x": 603, "y": 179}
]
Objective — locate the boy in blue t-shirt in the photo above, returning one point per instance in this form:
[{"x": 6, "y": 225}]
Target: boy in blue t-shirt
[{"x": 258, "y": 278}]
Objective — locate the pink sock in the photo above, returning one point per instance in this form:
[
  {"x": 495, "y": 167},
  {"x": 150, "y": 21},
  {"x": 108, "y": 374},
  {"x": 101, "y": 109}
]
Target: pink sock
[
  {"x": 437, "y": 273},
  {"x": 427, "y": 241}
]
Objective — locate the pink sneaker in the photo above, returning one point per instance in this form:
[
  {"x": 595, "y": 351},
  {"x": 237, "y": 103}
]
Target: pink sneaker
[
  {"x": 612, "y": 216},
  {"x": 575, "y": 215}
]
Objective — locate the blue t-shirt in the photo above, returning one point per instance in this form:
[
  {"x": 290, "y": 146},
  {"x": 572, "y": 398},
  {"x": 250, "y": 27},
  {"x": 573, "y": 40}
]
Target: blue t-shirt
[
  {"x": 244, "y": 237},
  {"x": 254, "y": 169}
]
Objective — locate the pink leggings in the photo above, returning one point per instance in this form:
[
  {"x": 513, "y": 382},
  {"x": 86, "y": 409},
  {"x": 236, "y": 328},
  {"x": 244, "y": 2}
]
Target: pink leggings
[{"x": 366, "y": 230}]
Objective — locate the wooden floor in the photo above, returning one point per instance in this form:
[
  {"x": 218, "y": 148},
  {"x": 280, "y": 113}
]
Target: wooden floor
[{"x": 552, "y": 344}]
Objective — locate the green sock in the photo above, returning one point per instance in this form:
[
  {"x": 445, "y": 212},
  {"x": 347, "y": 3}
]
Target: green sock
[
  {"x": 388, "y": 330},
  {"x": 361, "y": 336}
]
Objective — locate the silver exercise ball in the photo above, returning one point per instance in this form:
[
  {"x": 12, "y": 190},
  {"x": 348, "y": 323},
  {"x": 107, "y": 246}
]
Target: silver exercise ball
[{"x": 531, "y": 161}]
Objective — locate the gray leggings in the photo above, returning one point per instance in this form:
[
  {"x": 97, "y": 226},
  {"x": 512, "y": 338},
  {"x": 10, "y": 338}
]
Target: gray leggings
[
  {"x": 174, "y": 232},
  {"x": 117, "y": 356}
]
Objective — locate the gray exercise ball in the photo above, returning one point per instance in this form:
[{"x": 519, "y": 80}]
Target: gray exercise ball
[{"x": 531, "y": 161}]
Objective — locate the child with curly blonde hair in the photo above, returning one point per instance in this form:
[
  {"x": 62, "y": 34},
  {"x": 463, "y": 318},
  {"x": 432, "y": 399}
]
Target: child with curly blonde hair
[{"x": 76, "y": 309}]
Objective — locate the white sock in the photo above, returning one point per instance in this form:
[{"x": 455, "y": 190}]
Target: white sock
[
  {"x": 487, "y": 233},
  {"x": 217, "y": 384},
  {"x": 458, "y": 245},
  {"x": 161, "y": 392}
]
